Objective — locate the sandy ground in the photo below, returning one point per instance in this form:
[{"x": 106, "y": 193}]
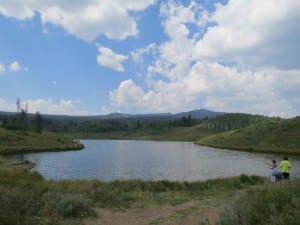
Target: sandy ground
[{"x": 189, "y": 213}]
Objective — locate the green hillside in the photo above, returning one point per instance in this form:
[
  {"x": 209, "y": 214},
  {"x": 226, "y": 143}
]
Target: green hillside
[
  {"x": 176, "y": 130},
  {"x": 27, "y": 141},
  {"x": 281, "y": 136}
]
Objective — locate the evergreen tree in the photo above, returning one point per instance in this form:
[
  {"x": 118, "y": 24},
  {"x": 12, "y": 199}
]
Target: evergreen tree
[{"x": 38, "y": 123}]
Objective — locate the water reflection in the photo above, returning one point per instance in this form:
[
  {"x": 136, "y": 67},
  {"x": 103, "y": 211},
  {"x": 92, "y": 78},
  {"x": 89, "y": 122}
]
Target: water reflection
[{"x": 151, "y": 160}]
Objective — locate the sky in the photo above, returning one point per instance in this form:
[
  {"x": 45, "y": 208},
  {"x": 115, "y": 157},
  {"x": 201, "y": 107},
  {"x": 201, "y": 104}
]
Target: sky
[{"x": 91, "y": 57}]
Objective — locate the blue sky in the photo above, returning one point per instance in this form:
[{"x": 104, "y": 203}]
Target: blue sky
[{"x": 148, "y": 56}]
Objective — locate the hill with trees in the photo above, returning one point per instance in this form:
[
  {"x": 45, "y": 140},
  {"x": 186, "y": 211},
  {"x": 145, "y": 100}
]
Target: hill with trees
[
  {"x": 223, "y": 130},
  {"x": 270, "y": 136}
]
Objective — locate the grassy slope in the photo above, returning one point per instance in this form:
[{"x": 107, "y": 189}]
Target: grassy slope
[
  {"x": 25, "y": 141},
  {"x": 272, "y": 137},
  {"x": 205, "y": 128},
  {"x": 175, "y": 134}
]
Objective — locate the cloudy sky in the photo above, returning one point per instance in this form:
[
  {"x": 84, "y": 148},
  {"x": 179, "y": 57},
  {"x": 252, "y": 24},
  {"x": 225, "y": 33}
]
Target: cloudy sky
[{"x": 91, "y": 57}]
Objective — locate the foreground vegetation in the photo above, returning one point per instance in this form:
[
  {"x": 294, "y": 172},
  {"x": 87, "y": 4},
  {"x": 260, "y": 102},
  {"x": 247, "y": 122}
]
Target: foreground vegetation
[
  {"x": 282, "y": 136},
  {"x": 277, "y": 204},
  {"x": 16, "y": 141},
  {"x": 26, "y": 198}
]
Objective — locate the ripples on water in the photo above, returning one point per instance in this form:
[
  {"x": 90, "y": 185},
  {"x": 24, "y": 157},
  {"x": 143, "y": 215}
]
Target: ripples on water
[{"x": 151, "y": 160}]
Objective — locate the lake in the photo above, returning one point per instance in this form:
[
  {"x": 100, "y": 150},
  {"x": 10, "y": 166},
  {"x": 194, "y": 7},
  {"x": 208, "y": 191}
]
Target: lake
[{"x": 151, "y": 160}]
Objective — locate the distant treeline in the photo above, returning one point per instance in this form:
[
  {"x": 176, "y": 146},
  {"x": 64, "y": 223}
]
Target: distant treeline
[
  {"x": 21, "y": 121},
  {"x": 112, "y": 125},
  {"x": 38, "y": 122},
  {"x": 232, "y": 121}
]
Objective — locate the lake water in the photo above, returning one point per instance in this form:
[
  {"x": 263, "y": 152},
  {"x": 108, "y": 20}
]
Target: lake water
[{"x": 151, "y": 160}]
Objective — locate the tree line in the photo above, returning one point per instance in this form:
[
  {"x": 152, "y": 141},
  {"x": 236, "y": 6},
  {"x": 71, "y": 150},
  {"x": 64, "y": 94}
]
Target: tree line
[{"x": 22, "y": 121}]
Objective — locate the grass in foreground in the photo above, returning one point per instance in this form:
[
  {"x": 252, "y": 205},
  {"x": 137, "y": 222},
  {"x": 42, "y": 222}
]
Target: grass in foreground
[
  {"x": 277, "y": 204},
  {"x": 272, "y": 137},
  {"x": 26, "y": 141},
  {"x": 26, "y": 198}
]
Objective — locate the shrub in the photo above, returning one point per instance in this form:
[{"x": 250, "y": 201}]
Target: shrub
[
  {"x": 74, "y": 206},
  {"x": 107, "y": 196},
  {"x": 274, "y": 204}
]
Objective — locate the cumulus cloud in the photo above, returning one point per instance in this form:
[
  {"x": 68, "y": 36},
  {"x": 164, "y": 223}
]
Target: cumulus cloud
[
  {"x": 183, "y": 76},
  {"x": 129, "y": 97},
  {"x": 253, "y": 33},
  {"x": 63, "y": 107},
  {"x": 217, "y": 87},
  {"x": 137, "y": 55},
  {"x": 175, "y": 55},
  {"x": 84, "y": 19},
  {"x": 15, "y": 66},
  {"x": 46, "y": 106},
  {"x": 108, "y": 58},
  {"x": 2, "y": 69}
]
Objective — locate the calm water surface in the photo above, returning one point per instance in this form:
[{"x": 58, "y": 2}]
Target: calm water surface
[{"x": 151, "y": 160}]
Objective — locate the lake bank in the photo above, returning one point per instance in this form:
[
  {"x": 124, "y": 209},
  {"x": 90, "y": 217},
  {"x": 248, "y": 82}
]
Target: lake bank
[
  {"x": 13, "y": 142},
  {"x": 274, "y": 136},
  {"x": 26, "y": 198}
]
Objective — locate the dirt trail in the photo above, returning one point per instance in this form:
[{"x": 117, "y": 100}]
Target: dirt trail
[{"x": 189, "y": 213}]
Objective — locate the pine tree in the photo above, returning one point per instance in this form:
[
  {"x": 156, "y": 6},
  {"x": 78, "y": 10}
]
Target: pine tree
[{"x": 38, "y": 123}]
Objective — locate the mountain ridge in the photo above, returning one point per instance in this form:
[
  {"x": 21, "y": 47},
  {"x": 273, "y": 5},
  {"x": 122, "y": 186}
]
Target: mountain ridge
[{"x": 196, "y": 114}]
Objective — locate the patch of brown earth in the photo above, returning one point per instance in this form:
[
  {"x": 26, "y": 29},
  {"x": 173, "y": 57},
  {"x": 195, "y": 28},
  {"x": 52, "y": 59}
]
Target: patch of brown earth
[{"x": 189, "y": 213}]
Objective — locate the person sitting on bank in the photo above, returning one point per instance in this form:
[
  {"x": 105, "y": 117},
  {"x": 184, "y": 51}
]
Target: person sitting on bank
[
  {"x": 285, "y": 167},
  {"x": 275, "y": 174}
]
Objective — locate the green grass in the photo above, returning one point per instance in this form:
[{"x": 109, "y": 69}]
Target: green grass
[
  {"x": 174, "y": 134},
  {"x": 26, "y": 141},
  {"x": 26, "y": 198},
  {"x": 271, "y": 137},
  {"x": 277, "y": 204}
]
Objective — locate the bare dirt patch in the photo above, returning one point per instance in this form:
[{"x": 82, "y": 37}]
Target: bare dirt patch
[{"x": 189, "y": 213}]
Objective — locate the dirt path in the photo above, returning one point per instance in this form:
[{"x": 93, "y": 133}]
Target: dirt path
[{"x": 189, "y": 213}]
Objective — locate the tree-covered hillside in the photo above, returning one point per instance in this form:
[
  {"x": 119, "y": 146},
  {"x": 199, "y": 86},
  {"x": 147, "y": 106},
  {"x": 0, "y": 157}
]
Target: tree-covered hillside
[{"x": 277, "y": 136}]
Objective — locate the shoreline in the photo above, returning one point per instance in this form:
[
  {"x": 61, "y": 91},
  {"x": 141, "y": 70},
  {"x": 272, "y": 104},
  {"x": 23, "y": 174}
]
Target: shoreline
[
  {"x": 23, "y": 164},
  {"x": 250, "y": 150},
  {"x": 12, "y": 151}
]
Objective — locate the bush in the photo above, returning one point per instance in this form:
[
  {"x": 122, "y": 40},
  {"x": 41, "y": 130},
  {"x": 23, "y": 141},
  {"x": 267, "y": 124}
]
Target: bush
[
  {"x": 106, "y": 196},
  {"x": 74, "y": 206},
  {"x": 274, "y": 204}
]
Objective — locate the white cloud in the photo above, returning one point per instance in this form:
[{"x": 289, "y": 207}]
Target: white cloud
[
  {"x": 15, "y": 66},
  {"x": 215, "y": 87},
  {"x": 131, "y": 98},
  {"x": 253, "y": 33},
  {"x": 179, "y": 81},
  {"x": 63, "y": 107},
  {"x": 84, "y": 19},
  {"x": 2, "y": 69},
  {"x": 6, "y": 106},
  {"x": 175, "y": 55},
  {"x": 137, "y": 55},
  {"x": 46, "y": 106},
  {"x": 108, "y": 58}
]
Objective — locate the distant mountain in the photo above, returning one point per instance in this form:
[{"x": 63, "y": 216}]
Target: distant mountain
[
  {"x": 199, "y": 114},
  {"x": 195, "y": 114}
]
